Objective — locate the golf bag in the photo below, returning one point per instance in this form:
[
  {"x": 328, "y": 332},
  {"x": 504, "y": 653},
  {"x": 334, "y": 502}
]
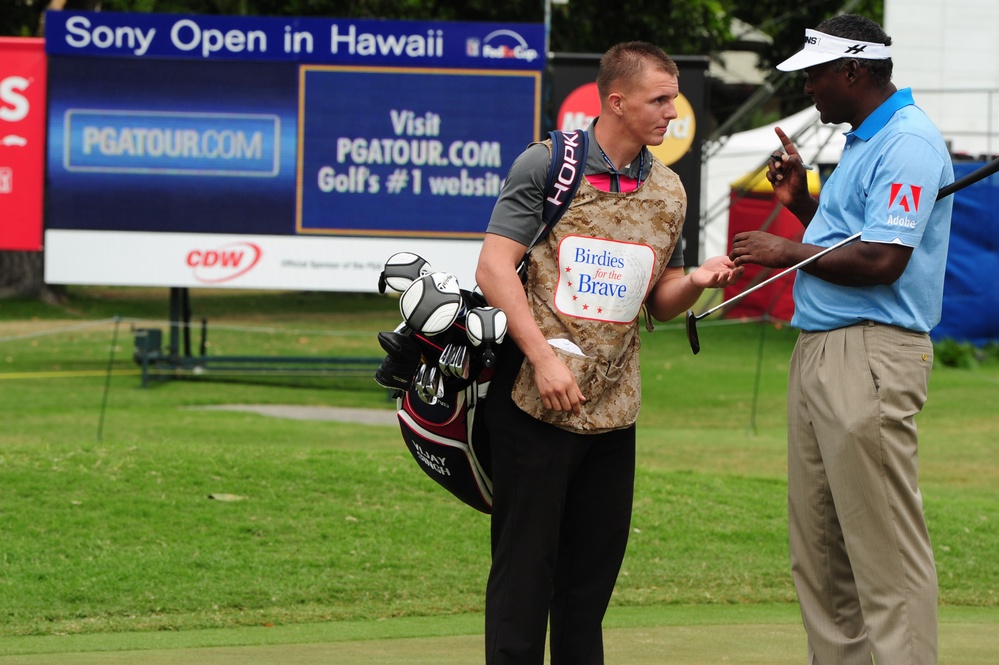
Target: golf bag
[
  {"x": 441, "y": 402},
  {"x": 447, "y": 435}
]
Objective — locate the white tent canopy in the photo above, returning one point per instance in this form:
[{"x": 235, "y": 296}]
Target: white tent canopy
[{"x": 746, "y": 152}]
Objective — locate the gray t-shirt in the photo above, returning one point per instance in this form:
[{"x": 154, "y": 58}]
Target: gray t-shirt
[{"x": 517, "y": 213}]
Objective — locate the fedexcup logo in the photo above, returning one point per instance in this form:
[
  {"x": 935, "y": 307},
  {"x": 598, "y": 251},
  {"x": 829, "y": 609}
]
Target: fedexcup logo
[
  {"x": 224, "y": 263},
  {"x": 502, "y": 44}
]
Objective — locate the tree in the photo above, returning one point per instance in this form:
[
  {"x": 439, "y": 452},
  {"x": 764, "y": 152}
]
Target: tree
[{"x": 786, "y": 24}]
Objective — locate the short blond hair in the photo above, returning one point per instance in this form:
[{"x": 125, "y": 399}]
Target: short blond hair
[{"x": 626, "y": 61}]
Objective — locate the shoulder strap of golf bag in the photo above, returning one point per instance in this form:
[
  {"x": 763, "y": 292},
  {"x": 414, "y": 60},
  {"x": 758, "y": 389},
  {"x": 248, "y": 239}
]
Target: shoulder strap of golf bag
[{"x": 564, "y": 175}]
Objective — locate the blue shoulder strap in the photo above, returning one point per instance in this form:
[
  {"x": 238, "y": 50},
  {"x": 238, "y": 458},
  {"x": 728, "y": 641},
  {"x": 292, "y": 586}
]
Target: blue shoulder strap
[{"x": 564, "y": 175}]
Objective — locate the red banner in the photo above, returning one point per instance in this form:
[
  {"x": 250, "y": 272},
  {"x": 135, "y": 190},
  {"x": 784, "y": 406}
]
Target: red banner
[{"x": 22, "y": 142}]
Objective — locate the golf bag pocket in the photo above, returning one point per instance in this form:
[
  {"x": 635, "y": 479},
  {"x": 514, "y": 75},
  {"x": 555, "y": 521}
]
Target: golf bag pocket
[{"x": 448, "y": 440}]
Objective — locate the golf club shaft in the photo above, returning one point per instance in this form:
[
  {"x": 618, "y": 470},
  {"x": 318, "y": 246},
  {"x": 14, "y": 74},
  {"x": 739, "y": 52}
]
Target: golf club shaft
[
  {"x": 773, "y": 278},
  {"x": 945, "y": 191},
  {"x": 970, "y": 179}
]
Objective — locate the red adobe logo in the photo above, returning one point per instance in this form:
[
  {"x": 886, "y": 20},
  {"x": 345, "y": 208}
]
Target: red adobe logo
[
  {"x": 909, "y": 199},
  {"x": 214, "y": 266}
]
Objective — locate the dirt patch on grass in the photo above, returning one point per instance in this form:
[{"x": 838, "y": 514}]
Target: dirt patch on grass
[{"x": 298, "y": 412}]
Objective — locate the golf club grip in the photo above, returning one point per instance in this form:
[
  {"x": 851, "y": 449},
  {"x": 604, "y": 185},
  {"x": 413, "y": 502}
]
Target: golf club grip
[{"x": 970, "y": 179}]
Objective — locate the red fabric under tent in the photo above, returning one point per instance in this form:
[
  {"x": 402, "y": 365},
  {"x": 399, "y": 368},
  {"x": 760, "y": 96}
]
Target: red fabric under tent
[{"x": 753, "y": 207}]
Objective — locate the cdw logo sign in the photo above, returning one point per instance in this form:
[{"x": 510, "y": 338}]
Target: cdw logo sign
[{"x": 224, "y": 263}]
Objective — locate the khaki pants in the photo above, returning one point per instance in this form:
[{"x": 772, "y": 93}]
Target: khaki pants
[{"x": 860, "y": 553}]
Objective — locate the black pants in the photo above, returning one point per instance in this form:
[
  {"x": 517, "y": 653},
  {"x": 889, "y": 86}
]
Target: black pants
[{"x": 561, "y": 516}]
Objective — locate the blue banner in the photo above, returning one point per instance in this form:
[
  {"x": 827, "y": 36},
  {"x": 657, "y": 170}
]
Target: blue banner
[
  {"x": 191, "y": 147},
  {"x": 284, "y": 126},
  {"x": 971, "y": 301},
  {"x": 306, "y": 40},
  {"x": 423, "y": 150}
]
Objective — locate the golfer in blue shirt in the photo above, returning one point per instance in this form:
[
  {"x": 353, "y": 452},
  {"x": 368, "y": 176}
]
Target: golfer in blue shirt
[{"x": 861, "y": 557}]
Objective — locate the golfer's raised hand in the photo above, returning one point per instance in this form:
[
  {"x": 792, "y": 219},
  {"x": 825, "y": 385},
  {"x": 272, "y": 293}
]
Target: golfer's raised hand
[{"x": 786, "y": 172}]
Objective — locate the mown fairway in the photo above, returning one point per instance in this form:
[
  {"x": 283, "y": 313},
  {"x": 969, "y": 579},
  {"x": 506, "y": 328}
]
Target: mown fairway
[{"x": 109, "y": 525}]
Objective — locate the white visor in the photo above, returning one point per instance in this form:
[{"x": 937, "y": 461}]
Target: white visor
[{"x": 820, "y": 48}]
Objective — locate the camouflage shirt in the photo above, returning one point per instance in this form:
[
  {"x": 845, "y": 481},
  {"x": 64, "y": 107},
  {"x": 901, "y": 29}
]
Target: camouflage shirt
[{"x": 586, "y": 283}]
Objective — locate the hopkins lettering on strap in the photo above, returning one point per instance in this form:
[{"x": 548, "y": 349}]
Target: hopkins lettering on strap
[
  {"x": 565, "y": 172},
  {"x": 441, "y": 380},
  {"x": 569, "y": 154}
]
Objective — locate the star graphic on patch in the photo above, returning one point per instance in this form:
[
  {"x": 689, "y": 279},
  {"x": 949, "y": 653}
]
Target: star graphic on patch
[
  {"x": 568, "y": 268},
  {"x": 586, "y": 306}
]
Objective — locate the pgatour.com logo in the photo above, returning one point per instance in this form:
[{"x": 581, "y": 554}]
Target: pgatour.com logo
[{"x": 224, "y": 263}]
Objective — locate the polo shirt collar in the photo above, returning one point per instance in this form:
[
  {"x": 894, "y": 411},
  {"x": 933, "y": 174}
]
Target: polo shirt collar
[
  {"x": 596, "y": 164},
  {"x": 876, "y": 121}
]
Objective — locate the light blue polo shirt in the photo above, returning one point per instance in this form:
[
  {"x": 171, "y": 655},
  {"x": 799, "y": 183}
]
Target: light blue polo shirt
[{"x": 886, "y": 186}]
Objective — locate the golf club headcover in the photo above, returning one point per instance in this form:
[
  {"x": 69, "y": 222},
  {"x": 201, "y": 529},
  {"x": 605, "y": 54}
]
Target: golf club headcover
[
  {"x": 403, "y": 359},
  {"x": 484, "y": 325},
  {"x": 396, "y": 374},
  {"x": 399, "y": 345}
]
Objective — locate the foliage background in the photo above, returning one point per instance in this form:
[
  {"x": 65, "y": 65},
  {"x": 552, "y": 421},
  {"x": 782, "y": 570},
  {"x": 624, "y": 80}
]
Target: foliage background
[{"x": 682, "y": 27}]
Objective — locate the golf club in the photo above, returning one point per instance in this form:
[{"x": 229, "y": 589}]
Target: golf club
[
  {"x": 695, "y": 344},
  {"x": 443, "y": 363},
  {"x": 438, "y": 386},
  {"x": 947, "y": 190},
  {"x": 423, "y": 386},
  {"x": 459, "y": 364}
]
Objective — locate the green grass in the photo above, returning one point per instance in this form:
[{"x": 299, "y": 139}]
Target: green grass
[{"x": 107, "y": 524}]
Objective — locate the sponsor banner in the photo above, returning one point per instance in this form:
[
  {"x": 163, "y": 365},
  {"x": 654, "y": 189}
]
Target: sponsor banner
[
  {"x": 253, "y": 126},
  {"x": 313, "y": 40},
  {"x": 192, "y": 148},
  {"x": 22, "y": 143},
  {"x": 427, "y": 156},
  {"x": 240, "y": 261}
]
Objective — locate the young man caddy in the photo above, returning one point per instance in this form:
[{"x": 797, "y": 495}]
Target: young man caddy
[{"x": 563, "y": 404}]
